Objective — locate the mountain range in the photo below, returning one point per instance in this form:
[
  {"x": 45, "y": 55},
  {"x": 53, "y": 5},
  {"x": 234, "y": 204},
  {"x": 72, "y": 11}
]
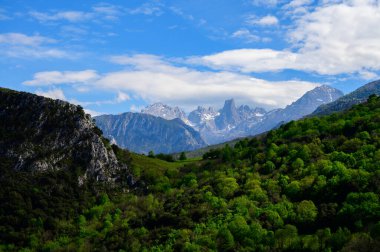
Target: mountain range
[{"x": 165, "y": 129}]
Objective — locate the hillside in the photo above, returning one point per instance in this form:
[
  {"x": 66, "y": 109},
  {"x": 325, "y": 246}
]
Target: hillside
[{"x": 310, "y": 185}]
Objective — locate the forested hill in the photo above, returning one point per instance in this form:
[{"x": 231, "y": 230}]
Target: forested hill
[{"x": 310, "y": 185}]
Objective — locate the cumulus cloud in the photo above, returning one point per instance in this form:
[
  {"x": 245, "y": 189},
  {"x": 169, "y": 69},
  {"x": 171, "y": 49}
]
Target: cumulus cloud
[
  {"x": 335, "y": 38},
  {"x": 246, "y": 35},
  {"x": 53, "y": 94},
  {"x": 249, "y": 60},
  {"x": 57, "y": 77},
  {"x": 297, "y": 7},
  {"x": 154, "y": 79},
  {"x": 263, "y": 21}
]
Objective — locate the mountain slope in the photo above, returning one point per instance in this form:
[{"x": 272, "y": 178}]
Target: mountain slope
[
  {"x": 298, "y": 109},
  {"x": 143, "y": 133},
  {"x": 40, "y": 134},
  {"x": 358, "y": 96}
]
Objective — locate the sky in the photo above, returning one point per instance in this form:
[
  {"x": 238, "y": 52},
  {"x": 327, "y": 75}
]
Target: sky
[{"x": 112, "y": 57}]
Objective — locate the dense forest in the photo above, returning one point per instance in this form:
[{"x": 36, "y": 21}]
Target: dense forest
[{"x": 310, "y": 185}]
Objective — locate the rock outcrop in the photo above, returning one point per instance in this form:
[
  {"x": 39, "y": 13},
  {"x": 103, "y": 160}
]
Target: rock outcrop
[{"x": 40, "y": 134}]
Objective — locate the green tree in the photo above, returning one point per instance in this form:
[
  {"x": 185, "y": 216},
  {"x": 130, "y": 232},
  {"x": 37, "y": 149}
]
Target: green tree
[
  {"x": 306, "y": 212},
  {"x": 182, "y": 156},
  {"x": 227, "y": 186},
  {"x": 151, "y": 154},
  {"x": 225, "y": 240},
  {"x": 286, "y": 238}
]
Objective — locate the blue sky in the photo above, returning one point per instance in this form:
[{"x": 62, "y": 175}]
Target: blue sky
[{"x": 117, "y": 56}]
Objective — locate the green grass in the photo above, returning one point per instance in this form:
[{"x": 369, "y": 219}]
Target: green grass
[{"x": 142, "y": 165}]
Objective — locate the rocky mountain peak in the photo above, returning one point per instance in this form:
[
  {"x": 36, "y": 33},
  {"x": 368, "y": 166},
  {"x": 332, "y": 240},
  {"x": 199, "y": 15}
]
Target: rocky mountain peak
[
  {"x": 229, "y": 115},
  {"x": 202, "y": 115},
  {"x": 164, "y": 111},
  {"x": 320, "y": 95}
]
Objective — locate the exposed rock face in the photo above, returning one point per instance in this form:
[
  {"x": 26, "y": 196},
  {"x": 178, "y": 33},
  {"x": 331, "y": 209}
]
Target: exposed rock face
[
  {"x": 360, "y": 95},
  {"x": 202, "y": 116},
  {"x": 40, "y": 134},
  {"x": 164, "y": 111},
  {"x": 229, "y": 116},
  {"x": 143, "y": 133}
]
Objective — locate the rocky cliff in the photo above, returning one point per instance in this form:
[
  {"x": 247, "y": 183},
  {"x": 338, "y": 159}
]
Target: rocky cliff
[{"x": 39, "y": 134}]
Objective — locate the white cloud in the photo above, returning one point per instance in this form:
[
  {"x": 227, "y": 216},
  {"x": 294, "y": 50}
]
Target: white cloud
[
  {"x": 298, "y": 3},
  {"x": 121, "y": 97},
  {"x": 246, "y": 35},
  {"x": 297, "y": 7},
  {"x": 71, "y": 16},
  {"x": 3, "y": 15},
  {"x": 56, "y": 77},
  {"x": 332, "y": 39},
  {"x": 182, "y": 14},
  {"x": 268, "y": 20},
  {"x": 22, "y": 39},
  {"x": 269, "y": 3},
  {"x": 53, "y": 93},
  {"x": 155, "y": 79},
  {"x": 368, "y": 75},
  {"x": 18, "y": 45},
  {"x": 108, "y": 11},
  {"x": 149, "y": 8},
  {"x": 249, "y": 60},
  {"x": 92, "y": 112},
  {"x": 38, "y": 53}
]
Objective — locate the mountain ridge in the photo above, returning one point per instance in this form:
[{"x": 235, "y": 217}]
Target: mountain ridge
[{"x": 359, "y": 95}]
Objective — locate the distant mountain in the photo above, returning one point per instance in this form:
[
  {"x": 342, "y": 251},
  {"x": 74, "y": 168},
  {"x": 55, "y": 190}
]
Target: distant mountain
[
  {"x": 298, "y": 109},
  {"x": 164, "y": 111},
  {"x": 142, "y": 133},
  {"x": 202, "y": 116},
  {"x": 166, "y": 129},
  {"x": 360, "y": 95},
  {"x": 251, "y": 115},
  {"x": 224, "y": 125},
  {"x": 39, "y": 134}
]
